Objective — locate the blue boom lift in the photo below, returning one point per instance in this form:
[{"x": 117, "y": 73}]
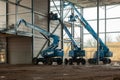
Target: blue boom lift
[
  {"x": 51, "y": 53},
  {"x": 77, "y": 54},
  {"x": 103, "y": 53}
]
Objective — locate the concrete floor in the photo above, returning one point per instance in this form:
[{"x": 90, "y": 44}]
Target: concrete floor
[{"x": 59, "y": 72}]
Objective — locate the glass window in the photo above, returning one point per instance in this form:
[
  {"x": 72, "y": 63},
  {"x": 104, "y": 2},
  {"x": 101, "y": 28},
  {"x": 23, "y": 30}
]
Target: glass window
[
  {"x": 102, "y": 12},
  {"x": 90, "y": 13},
  {"x": 89, "y": 41},
  {"x": 53, "y": 5},
  {"x": 93, "y": 24},
  {"x": 77, "y": 32},
  {"x": 113, "y": 25},
  {"x": 113, "y": 37},
  {"x": 117, "y": 37},
  {"x": 112, "y": 11}
]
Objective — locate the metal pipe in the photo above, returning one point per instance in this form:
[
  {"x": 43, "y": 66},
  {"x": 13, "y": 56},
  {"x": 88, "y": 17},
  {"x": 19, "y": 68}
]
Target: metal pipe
[
  {"x": 81, "y": 32},
  {"x": 105, "y": 23},
  {"x": 6, "y": 15},
  {"x": 98, "y": 31},
  {"x": 7, "y": 52},
  {"x": 61, "y": 14},
  {"x": 16, "y": 15},
  {"x": 32, "y": 21},
  {"x": 72, "y": 29}
]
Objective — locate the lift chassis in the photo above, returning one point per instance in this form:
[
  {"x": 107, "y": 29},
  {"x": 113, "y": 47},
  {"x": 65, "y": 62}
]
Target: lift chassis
[
  {"x": 103, "y": 53},
  {"x": 76, "y": 54},
  {"x": 51, "y": 53}
]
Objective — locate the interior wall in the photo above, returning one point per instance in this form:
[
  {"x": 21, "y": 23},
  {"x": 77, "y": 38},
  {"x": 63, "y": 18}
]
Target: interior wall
[
  {"x": 16, "y": 12},
  {"x": 41, "y": 20},
  {"x": 25, "y": 13},
  {"x": 2, "y": 49},
  {"x": 19, "y": 50},
  {"x": 2, "y": 15}
]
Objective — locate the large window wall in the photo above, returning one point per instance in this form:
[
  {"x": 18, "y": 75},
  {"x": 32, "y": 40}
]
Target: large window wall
[
  {"x": 110, "y": 26},
  {"x": 109, "y": 29}
]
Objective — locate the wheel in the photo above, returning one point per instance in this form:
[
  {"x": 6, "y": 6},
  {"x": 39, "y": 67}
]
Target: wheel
[
  {"x": 59, "y": 61},
  {"x": 70, "y": 61},
  {"x": 83, "y": 61},
  {"x": 78, "y": 61},
  {"x": 65, "y": 61},
  {"x": 92, "y": 61},
  {"x": 49, "y": 61},
  {"x": 44, "y": 62},
  {"x": 35, "y": 61},
  {"x": 109, "y": 61},
  {"x": 106, "y": 61}
]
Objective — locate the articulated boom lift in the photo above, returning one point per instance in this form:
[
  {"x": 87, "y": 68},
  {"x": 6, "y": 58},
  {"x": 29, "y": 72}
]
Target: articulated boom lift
[
  {"x": 103, "y": 53},
  {"x": 77, "y": 54},
  {"x": 51, "y": 53}
]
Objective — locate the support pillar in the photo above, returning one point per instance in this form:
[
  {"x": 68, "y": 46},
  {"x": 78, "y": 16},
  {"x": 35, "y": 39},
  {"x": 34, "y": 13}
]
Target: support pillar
[
  {"x": 72, "y": 29},
  {"x": 98, "y": 31},
  {"x": 81, "y": 32},
  {"x": 105, "y": 23},
  {"x": 61, "y": 14}
]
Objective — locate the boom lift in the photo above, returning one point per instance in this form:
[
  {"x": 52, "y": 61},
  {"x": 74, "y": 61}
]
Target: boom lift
[
  {"x": 51, "y": 53},
  {"x": 77, "y": 54},
  {"x": 103, "y": 53}
]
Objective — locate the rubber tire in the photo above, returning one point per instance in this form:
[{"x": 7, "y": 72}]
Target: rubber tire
[
  {"x": 83, "y": 61},
  {"x": 66, "y": 61},
  {"x": 109, "y": 61},
  {"x": 49, "y": 61},
  {"x": 44, "y": 62},
  {"x": 78, "y": 61},
  {"x": 106, "y": 61},
  {"x": 70, "y": 61},
  {"x": 92, "y": 61},
  {"x": 59, "y": 61},
  {"x": 35, "y": 61}
]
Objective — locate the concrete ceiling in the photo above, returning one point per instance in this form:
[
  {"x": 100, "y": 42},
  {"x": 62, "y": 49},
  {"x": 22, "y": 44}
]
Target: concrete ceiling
[{"x": 92, "y": 3}]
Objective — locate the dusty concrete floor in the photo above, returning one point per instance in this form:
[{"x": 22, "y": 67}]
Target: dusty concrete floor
[{"x": 59, "y": 72}]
